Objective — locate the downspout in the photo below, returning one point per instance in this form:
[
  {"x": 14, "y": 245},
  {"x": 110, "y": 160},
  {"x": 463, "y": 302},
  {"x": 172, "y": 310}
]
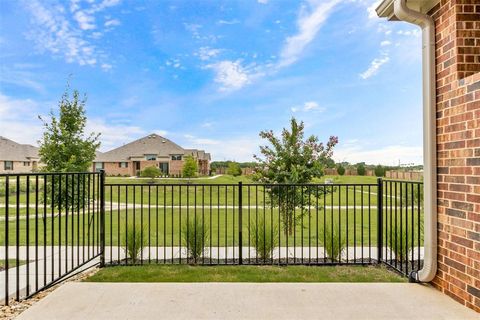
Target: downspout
[{"x": 402, "y": 12}]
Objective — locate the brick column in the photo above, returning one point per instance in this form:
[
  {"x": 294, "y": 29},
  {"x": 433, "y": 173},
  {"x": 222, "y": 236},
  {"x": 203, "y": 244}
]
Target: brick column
[{"x": 458, "y": 149}]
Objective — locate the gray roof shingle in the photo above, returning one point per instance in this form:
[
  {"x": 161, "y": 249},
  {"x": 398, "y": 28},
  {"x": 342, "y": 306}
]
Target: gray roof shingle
[
  {"x": 151, "y": 144},
  {"x": 13, "y": 151}
]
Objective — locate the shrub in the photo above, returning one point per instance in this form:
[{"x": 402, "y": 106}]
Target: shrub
[
  {"x": 341, "y": 170},
  {"x": 234, "y": 169},
  {"x": 134, "y": 241},
  {"x": 334, "y": 245},
  {"x": 261, "y": 237},
  {"x": 379, "y": 171},
  {"x": 361, "y": 170},
  {"x": 397, "y": 240},
  {"x": 150, "y": 172},
  {"x": 195, "y": 237}
]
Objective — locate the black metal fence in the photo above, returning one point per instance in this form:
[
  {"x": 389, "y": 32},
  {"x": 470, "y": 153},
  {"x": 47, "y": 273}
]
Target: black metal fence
[
  {"x": 241, "y": 223},
  {"x": 402, "y": 225},
  {"x": 50, "y": 226},
  {"x": 308, "y": 224},
  {"x": 53, "y": 224}
]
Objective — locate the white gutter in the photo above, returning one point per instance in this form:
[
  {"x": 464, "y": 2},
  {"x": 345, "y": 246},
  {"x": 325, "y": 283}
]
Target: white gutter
[{"x": 402, "y": 12}]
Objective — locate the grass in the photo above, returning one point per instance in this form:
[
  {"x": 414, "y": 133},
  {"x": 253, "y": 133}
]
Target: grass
[
  {"x": 177, "y": 273},
  {"x": 223, "y": 225},
  {"x": 212, "y": 201},
  {"x": 11, "y": 263},
  {"x": 138, "y": 192}
]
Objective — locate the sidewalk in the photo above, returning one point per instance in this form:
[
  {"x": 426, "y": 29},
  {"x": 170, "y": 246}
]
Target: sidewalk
[{"x": 246, "y": 301}]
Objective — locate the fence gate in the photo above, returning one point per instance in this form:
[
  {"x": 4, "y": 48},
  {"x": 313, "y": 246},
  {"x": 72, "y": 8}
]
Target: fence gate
[{"x": 50, "y": 227}]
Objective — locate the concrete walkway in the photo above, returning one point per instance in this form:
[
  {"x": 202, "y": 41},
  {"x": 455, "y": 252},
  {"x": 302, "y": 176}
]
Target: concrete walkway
[
  {"x": 246, "y": 301},
  {"x": 48, "y": 263}
]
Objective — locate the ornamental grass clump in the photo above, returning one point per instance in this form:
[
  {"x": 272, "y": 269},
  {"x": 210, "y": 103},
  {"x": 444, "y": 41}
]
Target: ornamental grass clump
[
  {"x": 334, "y": 244},
  {"x": 263, "y": 237},
  {"x": 195, "y": 238},
  {"x": 401, "y": 240},
  {"x": 134, "y": 241}
]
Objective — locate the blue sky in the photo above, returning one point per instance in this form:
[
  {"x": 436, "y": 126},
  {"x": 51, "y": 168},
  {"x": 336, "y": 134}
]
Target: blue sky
[{"x": 212, "y": 74}]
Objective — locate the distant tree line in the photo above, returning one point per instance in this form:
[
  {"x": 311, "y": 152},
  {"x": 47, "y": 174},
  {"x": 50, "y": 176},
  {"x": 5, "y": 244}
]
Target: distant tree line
[{"x": 361, "y": 168}]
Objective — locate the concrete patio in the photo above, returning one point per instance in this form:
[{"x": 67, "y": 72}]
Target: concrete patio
[{"x": 246, "y": 301}]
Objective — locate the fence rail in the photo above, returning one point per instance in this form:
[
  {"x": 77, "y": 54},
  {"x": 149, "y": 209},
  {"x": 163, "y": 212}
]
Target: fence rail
[{"x": 57, "y": 223}]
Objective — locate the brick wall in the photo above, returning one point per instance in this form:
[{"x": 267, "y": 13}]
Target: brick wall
[
  {"x": 19, "y": 167},
  {"x": 458, "y": 149}
]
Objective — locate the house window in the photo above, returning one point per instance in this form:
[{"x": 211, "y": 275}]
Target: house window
[
  {"x": 26, "y": 163},
  {"x": 123, "y": 164},
  {"x": 163, "y": 167},
  {"x": 151, "y": 157},
  {"x": 8, "y": 165},
  {"x": 177, "y": 157},
  {"x": 98, "y": 166}
]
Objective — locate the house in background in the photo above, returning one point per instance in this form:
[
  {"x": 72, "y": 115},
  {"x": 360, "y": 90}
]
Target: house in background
[
  {"x": 152, "y": 150},
  {"x": 16, "y": 157}
]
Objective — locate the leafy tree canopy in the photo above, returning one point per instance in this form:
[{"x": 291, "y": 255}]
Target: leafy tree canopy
[
  {"x": 64, "y": 146},
  {"x": 291, "y": 158},
  {"x": 234, "y": 169}
]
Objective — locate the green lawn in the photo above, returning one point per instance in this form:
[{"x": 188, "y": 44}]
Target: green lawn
[
  {"x": 213, "y": 192},
  {"x": 218, "y": 205},
  {"x": 165, "y": 226},
  {"x": 156, "y": 273},
  {"x": 178, "y": 193},
  {"x": 11, "y": 263}
]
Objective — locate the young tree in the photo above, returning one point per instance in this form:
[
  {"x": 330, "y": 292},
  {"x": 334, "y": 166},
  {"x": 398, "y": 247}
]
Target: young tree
[
  {"x": 361, "y": 169},
  {"x": 234, "y": 169},
  {"x": 379, "y": 171},
  {"x": 65, "y": 147},
  {"x": 151, "y": 172},
  {"x": 190, "y": 167},
  {"x": 292, "y": 159},
  {"x": 341, "y": 170}
]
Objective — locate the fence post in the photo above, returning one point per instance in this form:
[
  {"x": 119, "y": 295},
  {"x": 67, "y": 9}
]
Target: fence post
[
  {"x": 102, "y": 218},
  {"x": 379, "y": 220},
  {"x": 240, "y": 235}
]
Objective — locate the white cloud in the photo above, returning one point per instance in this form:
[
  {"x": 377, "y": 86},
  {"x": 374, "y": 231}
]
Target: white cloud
[
  {"x": 206, "y": 53},
  {"x": 385, "y": 43},
  {"x": 201, "y": 142},
  {"x": 18, "y": 119},
  {"x": 162, "y": 133},
  {"x": 231, "y": 75},
  {"x": 113, "y": 135},
  {"x": 389, "y": 155},
  {"x": 106, "y": 66},
  {"x": 240, "y": 148},
  {"x": 52, "y": 30},
  {"x": 19, "y": 122},
  {"x": 112, "y": 22},
  {"x": 414, "y": 32},
  {"x": 375, "y": 66},
  {"x": 229, "y": 22},
  {"x": 207, "y": 124},
  {"x": 193, "y": 28},
  {"x": 372, "y": 14},
  {"x": 309, "y": 23},
  {"x": 262, "y": 1},
  {"x": 85, "y": 21},
  {"x": 307, "y": 107}
]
